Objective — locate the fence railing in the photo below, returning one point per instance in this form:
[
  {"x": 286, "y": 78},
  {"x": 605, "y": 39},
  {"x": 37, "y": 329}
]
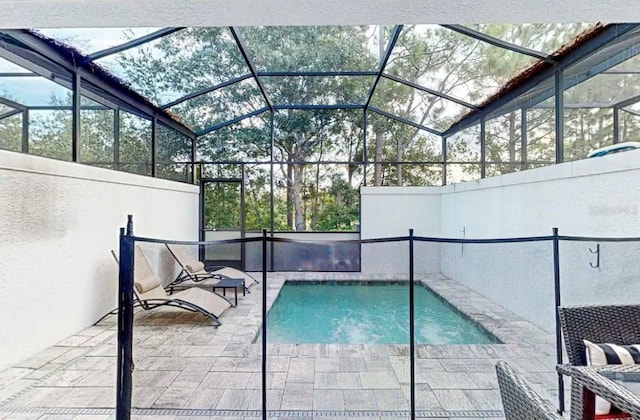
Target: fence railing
[{"x": 263, "y": 242}]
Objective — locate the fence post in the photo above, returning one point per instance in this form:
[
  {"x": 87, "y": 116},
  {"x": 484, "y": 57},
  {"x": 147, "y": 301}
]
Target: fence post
[
  {"x": 125, "y": 322},
  {"x": 264, "y": 324},
  {"x": 556, "y": 289},
  {"x": 412, "y": 340}
]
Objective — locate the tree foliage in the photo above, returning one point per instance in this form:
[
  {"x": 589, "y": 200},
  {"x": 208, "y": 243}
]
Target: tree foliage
[{"x": 309, "y": 194}]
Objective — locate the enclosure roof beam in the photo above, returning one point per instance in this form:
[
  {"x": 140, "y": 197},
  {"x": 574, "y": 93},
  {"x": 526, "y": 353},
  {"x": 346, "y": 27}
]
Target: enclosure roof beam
[
  {"x": 499, "y": 43},
  {"x": 218, "y": 126},
  {"x": 206, "y": 90},
  {"x": 69, "y": 108},
  {"x": 130, "y": 44},
  {"x": 572, "y": 81},
  {"x": 19, "y": 75},
  {"x": 12, "y": 104},
  {"x": 586, "y": 105},
  {"x": 10, "y": 113},
  {"x": 317, "y": 73},
  {"x": 622, "y": 71},
  {"x": 383, "y": 62},
  {"x": 35, "y": 64},
  {"x": 318, "y": 106},
  {"x": 404, "y": 121},
  {"x": 627, "y": 102},
  {"x": 632, "y": 112},
  {"x": 252, "y": 68},
  {"x": 608, "y": 34},
  {"x": 29, "y": 46},
  {"x": 430, "y": 91}
]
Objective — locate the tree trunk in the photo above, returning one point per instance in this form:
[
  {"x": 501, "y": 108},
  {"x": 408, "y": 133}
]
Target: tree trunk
[
  {"x": 298, "y": 203},
  {"x": 377, "y": 168}
]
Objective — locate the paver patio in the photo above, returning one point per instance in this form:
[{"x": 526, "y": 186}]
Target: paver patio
[{"x": 184, "y": 367}]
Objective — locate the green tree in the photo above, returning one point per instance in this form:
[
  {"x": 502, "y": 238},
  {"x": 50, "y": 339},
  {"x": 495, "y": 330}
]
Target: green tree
[
  {"x": 300, "y": 136},
  {"x": 11, "y": 133}
]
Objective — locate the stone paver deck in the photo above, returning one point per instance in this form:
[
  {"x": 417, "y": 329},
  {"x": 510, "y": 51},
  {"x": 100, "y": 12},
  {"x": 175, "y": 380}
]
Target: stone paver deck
[{"x": 184, "y": 367}]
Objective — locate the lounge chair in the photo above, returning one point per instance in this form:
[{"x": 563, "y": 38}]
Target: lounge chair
[
  {"x": 150, "y": 294},
  {"x": 519, "y": 401},
  {"x": 193, "y": 272}
]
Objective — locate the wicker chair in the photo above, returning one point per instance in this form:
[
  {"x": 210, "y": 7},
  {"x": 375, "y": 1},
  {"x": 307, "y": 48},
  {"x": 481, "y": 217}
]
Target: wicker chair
[
  {"x": 598, "y": 324},
  {"x": 519, "y": 400}
]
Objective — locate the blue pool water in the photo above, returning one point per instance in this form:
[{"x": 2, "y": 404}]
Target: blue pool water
[{"x": 366, "y": 313}]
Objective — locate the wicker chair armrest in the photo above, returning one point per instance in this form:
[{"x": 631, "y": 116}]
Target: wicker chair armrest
[{"x": 591, "y": 378}]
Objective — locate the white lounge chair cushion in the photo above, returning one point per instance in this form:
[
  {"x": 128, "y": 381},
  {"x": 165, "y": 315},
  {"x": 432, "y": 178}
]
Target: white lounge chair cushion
[
  {"x": 148, "y": 287},
  {"x": 194, "y": 267},
  {"x": 209, "y": 301},
  {"x": 197, "y": 268},
  {"x": 144, "y": 285},
  {"x": 144, "y": 279},
  {"x": 235, "y": 274}
]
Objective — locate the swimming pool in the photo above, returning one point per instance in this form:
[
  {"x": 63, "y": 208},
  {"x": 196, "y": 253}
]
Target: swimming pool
[{"x": 366, "y": 313}]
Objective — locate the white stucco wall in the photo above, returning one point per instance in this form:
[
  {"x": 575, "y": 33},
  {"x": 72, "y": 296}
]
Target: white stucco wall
[
  {"x": 58, "y": 221},
  {"x": 391, "y": 212},
  {"x": 594, "y": 197}
]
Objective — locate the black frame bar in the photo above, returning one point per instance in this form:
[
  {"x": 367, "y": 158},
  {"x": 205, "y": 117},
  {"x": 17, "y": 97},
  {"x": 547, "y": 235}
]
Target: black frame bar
[
  {"x": 557, "y": 302},
  {"x": 317, "y": 73},
  {"x": 444, "y": 160},
  {"x": 607, "y": 35},
  {"x": 383, "y": 62},
  {"x": 29, "y": 47},
  {"x": 75, "y": 121},
  {"x": 627, "y": 102},
  {"x": 524, "y": 145},
  {"x": 559, "y": 129},
  {"x": 264, "y": 324},
  {"x": 483, "y": 148},
  {"x": 205, "y": 91},
  {"x": 412, "y": 335},
  {"x": 252, "y": 68},
  {"x": 116, "y": 138},
  {"x": 12, "y": 104},
  {"x": 616, "y": 125},
  {"x": 218, "y": 126},
  {"x": 11, "y": 113},
  {"x": 404, "y": 120},
  {"x": 130, "y": 44},
  {"x": 272, "y": 211},
  {"x": 154, "y": 145},
  {"x": 281, "y": 107},
  {"x": 429, "y": 91},
  {"x": 125, "y": 323},
  {"x": 25, "y": 131},
  {"x": 364, "y": 149},
  {"x": 500, "y": 43}
]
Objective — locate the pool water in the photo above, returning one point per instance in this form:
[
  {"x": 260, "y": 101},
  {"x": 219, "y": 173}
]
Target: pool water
[{"x": 366, "y": 313}]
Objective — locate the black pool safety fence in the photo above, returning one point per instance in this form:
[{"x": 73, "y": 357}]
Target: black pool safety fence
[{"x": 540, "y": 255}]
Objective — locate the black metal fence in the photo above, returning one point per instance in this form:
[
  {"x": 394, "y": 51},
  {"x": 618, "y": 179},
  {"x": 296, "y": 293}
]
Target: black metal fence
[{"x": 126, "y": 298}]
